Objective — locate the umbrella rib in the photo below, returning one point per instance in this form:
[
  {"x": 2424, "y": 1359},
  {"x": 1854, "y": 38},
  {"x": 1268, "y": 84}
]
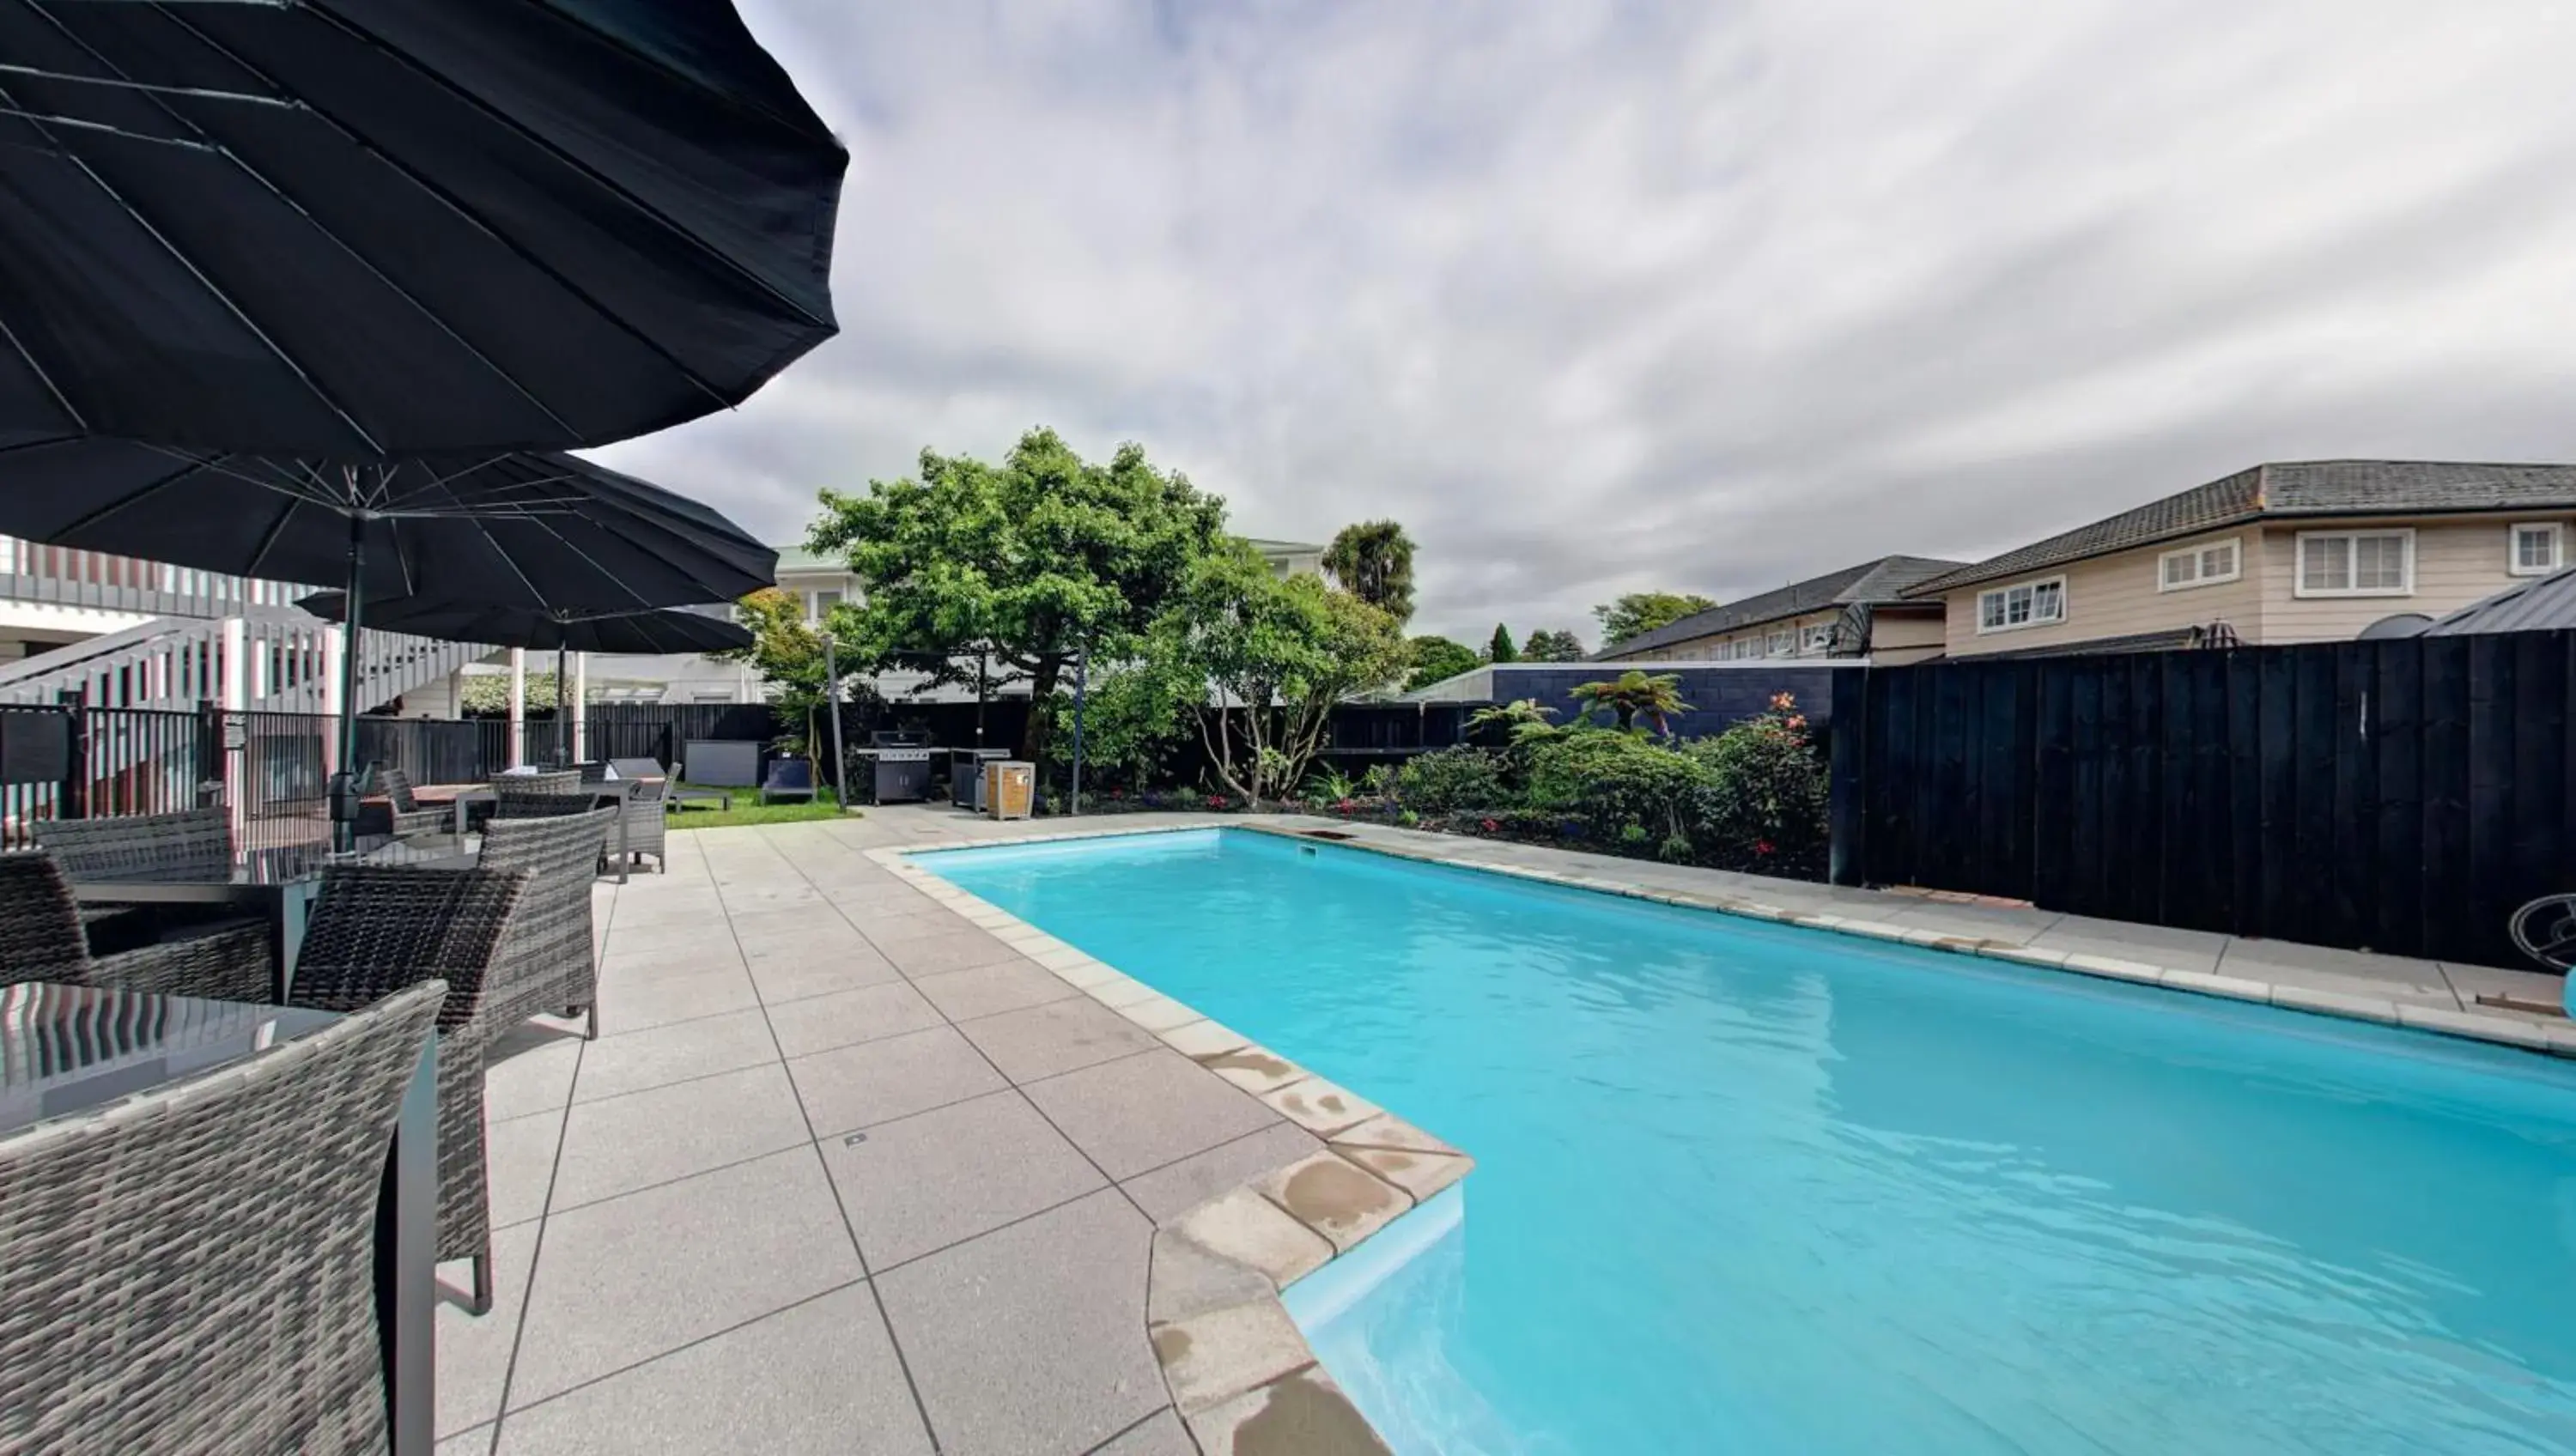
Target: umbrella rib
[
  {"x": 668, "y": 223},
  {"x": 190, "y": 466},
  {"x": 197, "y": 273},
  {"x": 256, "y": 175},
  {"x": 456, "y": 205},
  {"x": 79, "y": 421}
]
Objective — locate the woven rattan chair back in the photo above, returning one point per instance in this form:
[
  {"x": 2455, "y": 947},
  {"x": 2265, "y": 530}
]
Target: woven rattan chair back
[
  {"x": 555, "y": 781},
  {"x": 194, "y": 1270},
  {"x": 191, "y": 843},
  {"x": 378, "y": 929},
  {"x": 396, "y": 785},
  {"x": 562, "y": 853},
  {"x": 40, "y": 926}
]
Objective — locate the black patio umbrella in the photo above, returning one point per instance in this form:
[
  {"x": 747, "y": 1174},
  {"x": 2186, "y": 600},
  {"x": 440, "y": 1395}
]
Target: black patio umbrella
[
  {"x": 382, "y": 228},
  {"x": 535, "y": 531},
  {"x": 562, "y": 630}
]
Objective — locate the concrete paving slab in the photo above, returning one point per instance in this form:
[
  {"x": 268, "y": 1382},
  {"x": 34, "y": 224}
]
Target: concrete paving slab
[
  {"x": 851, "y": 1087},
  {"x": 474, "y": 1350},
  {"x": 1175, "y": 1188},
  {"x": 847, "y": 1018},
  {"x": 1057, "y": 1037},
  {"x": 624, "y": 1281},
  {"x": 959, "y": 950},
  {"x": 659, "y": 1056},
  {"x": 528, "y": 1069},
  {"x": 817, "y": 1378},
  {"x": 620, "y": 1144},
  {"x": 937, "y": 1178},
  {"x": 785, "y": 975},
  {"x": 1147, "y": 1110},
  {"x": 519, "y": 1161},
  {"x": 1070, "y": 1282},
  {"x": 1160, "y": 1434},
  {"x": 991, "y": 990}
]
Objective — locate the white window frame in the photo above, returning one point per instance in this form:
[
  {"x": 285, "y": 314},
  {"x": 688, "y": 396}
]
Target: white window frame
[
  {"x": 2513, "y": 547},
  {"x": 2299, "y": 563},
  {"x": 1782, "y": 642},
  {"x": 2065, "y": 608},
  {"x": 1815, "y": 640},
  {"x": 2194, "y": 554}
]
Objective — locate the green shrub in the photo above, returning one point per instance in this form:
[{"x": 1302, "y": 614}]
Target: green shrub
[
  {"x": 1452, "y": 779},
  {"x": 1762, "y": 805},
  {"x": 1612, "y": 782}
]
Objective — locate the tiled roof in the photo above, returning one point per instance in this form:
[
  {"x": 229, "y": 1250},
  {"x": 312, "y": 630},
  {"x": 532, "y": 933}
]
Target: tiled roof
[
  {"x": 1879, "y": 582},
  {"x": 2296, "y": 488}
]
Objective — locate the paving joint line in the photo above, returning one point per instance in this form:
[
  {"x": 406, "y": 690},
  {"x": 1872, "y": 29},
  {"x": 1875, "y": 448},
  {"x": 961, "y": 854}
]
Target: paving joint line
[{"x": 894, "y": 1342}]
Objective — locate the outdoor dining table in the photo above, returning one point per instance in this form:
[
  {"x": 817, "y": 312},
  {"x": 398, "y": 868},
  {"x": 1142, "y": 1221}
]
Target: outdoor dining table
[
  {"x": 279, "y": 884},
  {"x": 65, "y": 1050}
]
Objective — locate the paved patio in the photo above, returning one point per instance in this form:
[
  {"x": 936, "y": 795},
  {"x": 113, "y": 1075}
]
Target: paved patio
[{"x": 846, "y": 1171}]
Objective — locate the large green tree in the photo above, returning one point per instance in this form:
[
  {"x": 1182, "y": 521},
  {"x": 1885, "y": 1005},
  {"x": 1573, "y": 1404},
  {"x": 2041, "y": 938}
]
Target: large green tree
[
  {"x": 1030, "y": 560},
  {"x": 1282, "y": 653},
  {"x": 1436, "y": 659},
  {"x": 1645, "y": 611},
  {"x": 1373, "y": 560},
  {"x": 1546, "y": 646},
  {"x": 1501, "y": 649}
]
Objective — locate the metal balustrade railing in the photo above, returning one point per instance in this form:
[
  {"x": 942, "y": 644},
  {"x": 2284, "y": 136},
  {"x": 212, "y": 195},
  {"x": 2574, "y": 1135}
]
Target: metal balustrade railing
[
  {"x": 179, "y": 662},
  {"x": 62, "y": 576}
]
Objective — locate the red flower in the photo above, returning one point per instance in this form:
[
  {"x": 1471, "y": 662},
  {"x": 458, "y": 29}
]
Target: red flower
[
  {"x": 1490, "y": 825},
  {"x": 1342, "y": 806},
  {"x": 1762, "y": 846},
  {"x": 1216, "y": 801}
]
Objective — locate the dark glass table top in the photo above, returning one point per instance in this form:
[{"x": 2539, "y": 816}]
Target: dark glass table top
[
  {"x": 292, "y": 863},
  {"x": 67, "y": 1049}
]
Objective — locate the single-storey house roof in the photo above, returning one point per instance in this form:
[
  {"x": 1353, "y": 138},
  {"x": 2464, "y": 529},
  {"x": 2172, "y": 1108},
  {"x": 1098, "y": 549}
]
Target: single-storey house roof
[
  {"x": 1882, "y": 582},
  {"x": 2295, "y": 488},
  {"x": 2547, "y": 604}
]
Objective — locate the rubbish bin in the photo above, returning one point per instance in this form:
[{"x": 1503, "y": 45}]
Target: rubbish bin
[
  {"x": 1009, "y": 787},
  {"x": 966, "y": 776}
]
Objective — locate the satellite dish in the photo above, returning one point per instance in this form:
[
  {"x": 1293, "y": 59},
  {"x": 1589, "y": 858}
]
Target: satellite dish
[{"x": 2389, "y": 629}]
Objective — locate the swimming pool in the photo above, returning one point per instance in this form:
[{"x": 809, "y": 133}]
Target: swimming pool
[{"x": 1746, "y": 1187}]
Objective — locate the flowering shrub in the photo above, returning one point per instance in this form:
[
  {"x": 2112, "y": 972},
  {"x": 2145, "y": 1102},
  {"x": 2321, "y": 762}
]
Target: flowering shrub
[
  {"x": 1762, "y": 805},
  {"x": 1611, "y": 782}
]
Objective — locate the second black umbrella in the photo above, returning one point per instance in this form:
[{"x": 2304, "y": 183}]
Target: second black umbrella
[{"x": 644, "y": 633}]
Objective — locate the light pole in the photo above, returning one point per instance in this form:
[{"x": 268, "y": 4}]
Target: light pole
[
  {"x": 832, "y": 702},
  {"x": 1081, "y": 693}
]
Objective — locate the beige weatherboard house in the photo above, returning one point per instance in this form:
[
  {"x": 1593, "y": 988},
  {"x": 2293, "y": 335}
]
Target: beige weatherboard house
[
  {"x": 1859, "y": 611},
  {"x": 2309, "y": 551}
]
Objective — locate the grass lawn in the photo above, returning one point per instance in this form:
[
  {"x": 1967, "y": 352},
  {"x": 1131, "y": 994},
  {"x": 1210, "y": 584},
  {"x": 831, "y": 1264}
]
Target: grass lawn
[{"x": 747, "y": 809}]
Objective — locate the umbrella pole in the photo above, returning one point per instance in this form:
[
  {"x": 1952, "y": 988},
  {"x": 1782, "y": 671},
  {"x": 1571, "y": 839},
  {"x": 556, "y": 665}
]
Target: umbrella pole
[
  {"x": 344, "y": 782},
  {"x": 563, "y": 726}
]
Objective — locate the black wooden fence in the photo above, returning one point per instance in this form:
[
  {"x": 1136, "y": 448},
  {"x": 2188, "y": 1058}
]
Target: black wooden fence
[{"x": 2399, "y": 796}]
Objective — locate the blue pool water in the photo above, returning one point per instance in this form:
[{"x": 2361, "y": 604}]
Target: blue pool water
[{"x": 1748, "y": 1188}]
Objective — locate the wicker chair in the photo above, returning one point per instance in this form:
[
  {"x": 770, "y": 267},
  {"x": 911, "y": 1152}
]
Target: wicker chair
[
  {"x": 195, "y": 1270},
  {"x": 42, "y": 939},
  {"x": 410, "y": 816},
  {"x": 562, "y": 852},
  {"x": 559, "y": 781},
  {"x": 380, "y": 929},
  {"x": 646, "y": 825},
  {"x": 189, "y": 843}
]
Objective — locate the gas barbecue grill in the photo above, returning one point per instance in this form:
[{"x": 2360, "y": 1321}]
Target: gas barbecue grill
[{"x": 894, "y": 767}]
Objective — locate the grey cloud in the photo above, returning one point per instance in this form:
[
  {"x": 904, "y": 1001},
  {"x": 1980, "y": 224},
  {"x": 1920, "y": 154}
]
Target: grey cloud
[{"x": 1601, "y": 296}]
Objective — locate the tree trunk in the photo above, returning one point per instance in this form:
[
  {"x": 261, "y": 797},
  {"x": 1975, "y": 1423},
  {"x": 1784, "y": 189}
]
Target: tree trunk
[{"x": 1033, "y": 739}]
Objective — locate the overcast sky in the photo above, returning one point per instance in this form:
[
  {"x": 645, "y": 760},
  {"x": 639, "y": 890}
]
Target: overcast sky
[{"x": 1598, "y": 297}]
